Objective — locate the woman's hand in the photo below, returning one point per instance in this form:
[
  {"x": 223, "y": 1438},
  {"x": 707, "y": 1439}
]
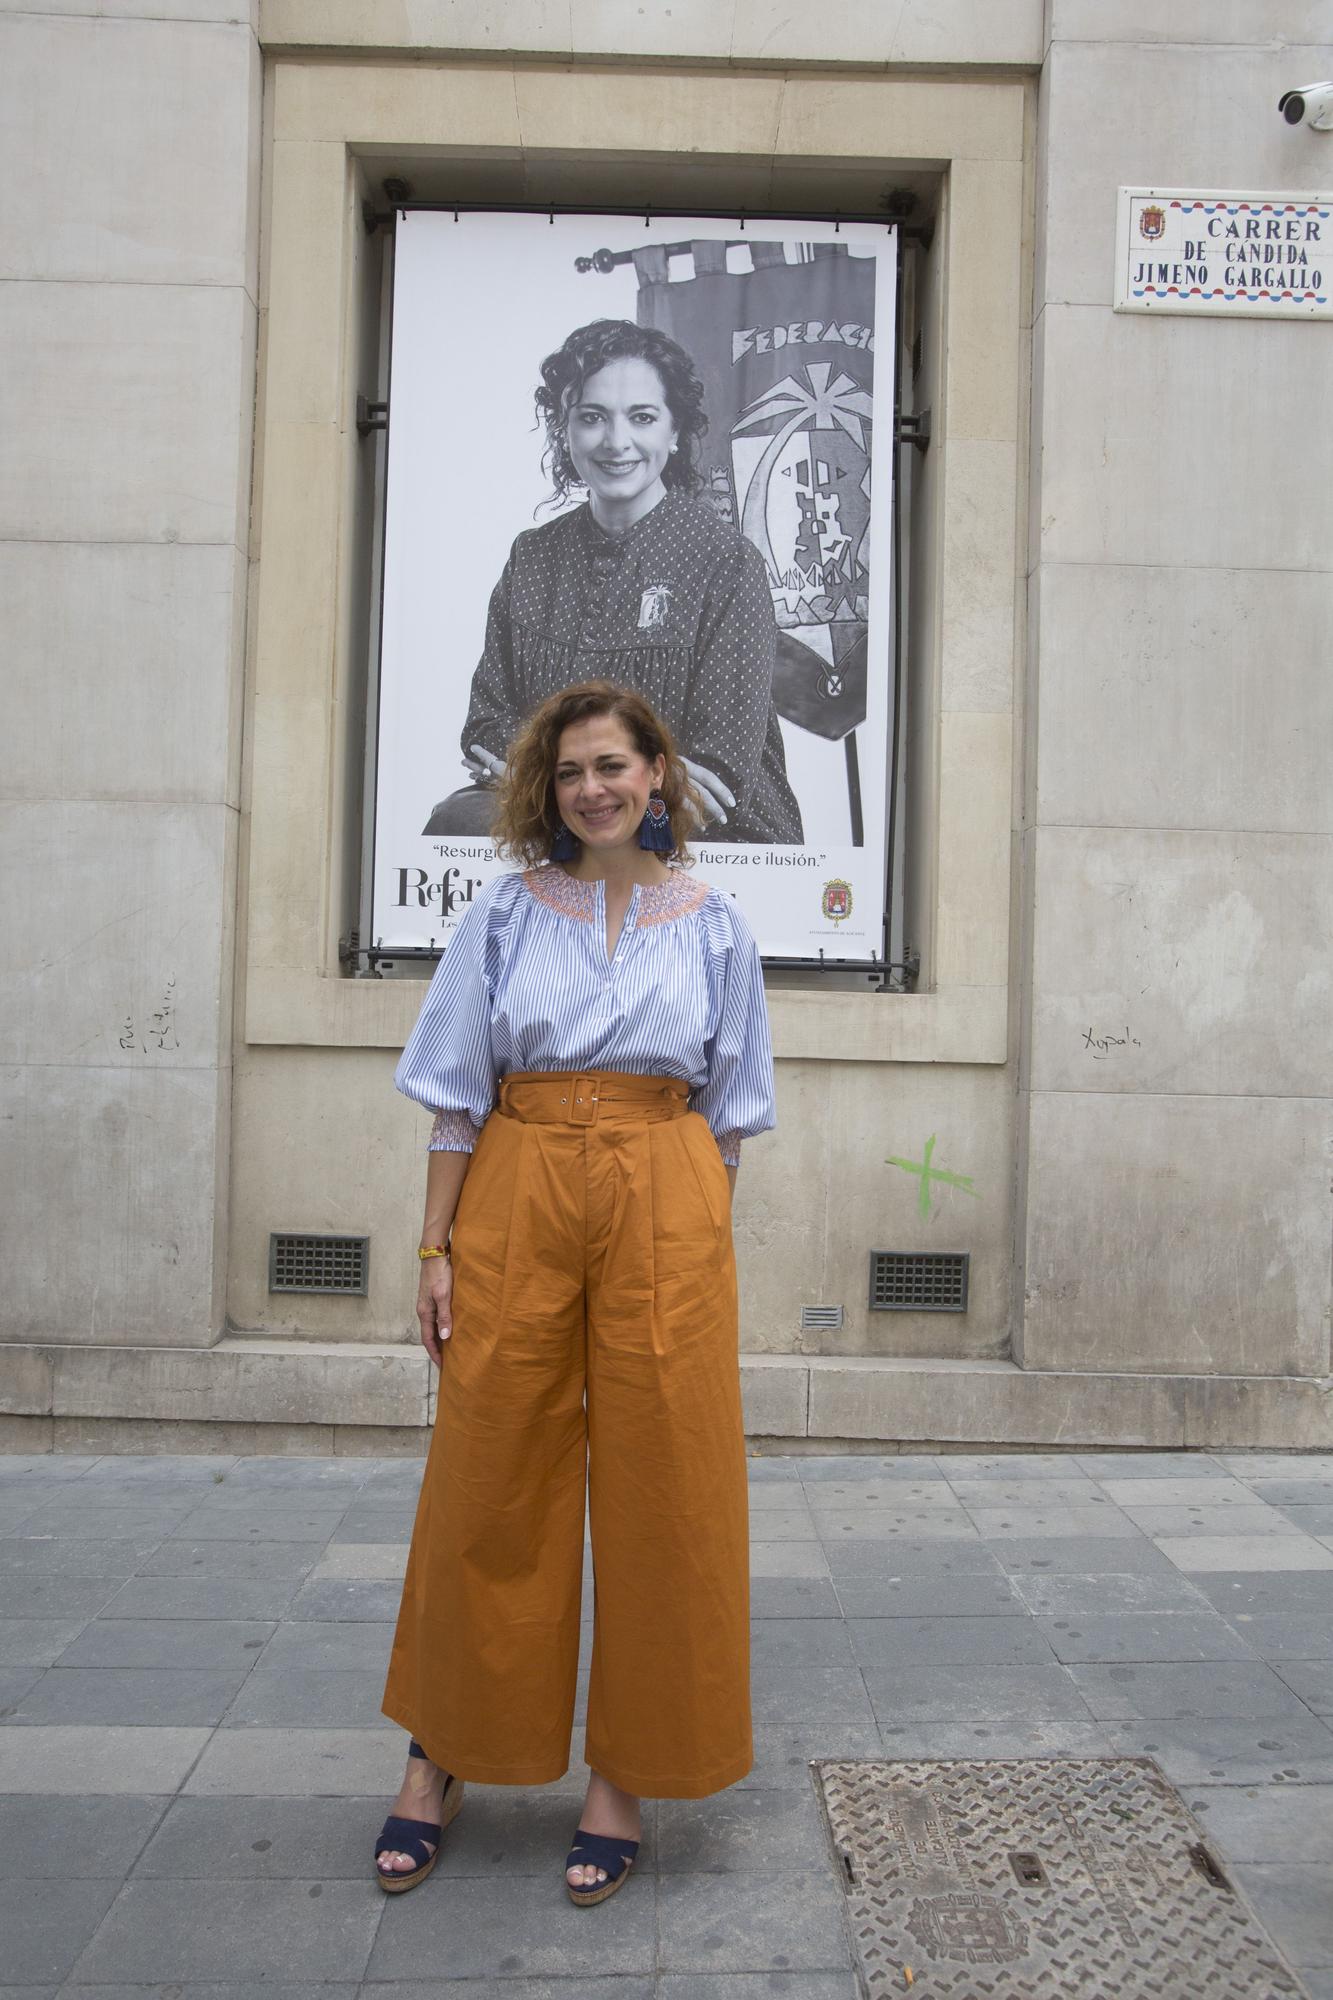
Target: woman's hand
[
  {"x": 435, "y": 1305},
  {"x": 483, "y": 763},
  {"x": 710, "y": 789}
]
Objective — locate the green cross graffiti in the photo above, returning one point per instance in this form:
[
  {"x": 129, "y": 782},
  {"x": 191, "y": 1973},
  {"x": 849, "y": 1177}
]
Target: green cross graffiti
[{"x": 929, "y": 1174}]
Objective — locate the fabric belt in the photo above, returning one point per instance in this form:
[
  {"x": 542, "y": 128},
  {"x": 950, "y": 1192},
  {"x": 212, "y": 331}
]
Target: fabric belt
[{"x": 556, "y": 1098}]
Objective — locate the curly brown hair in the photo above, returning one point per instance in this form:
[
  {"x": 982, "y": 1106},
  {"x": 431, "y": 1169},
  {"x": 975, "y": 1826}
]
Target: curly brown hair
[
  {"x": 527, "y": 823},
  {"x": 588, "y": 349}
]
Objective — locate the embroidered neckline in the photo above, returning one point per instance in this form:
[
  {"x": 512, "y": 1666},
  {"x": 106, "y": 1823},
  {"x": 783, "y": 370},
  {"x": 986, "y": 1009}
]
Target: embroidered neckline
[
  {"x": 659, "y": 902},
  {"x": 561, "y": 892},
  {"x": 663, "y": 902}
]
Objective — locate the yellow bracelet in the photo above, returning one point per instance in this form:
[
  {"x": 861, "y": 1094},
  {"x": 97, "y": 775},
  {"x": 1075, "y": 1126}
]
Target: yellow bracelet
[{"x": 436, "y": 1250}]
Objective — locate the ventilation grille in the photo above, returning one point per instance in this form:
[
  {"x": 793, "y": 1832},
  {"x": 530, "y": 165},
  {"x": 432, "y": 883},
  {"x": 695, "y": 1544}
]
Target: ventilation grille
[
  {"x": 918, "y": 1281},
  {"x": 319, "y": 1264},
  {"x": 820, "y": 1316}
]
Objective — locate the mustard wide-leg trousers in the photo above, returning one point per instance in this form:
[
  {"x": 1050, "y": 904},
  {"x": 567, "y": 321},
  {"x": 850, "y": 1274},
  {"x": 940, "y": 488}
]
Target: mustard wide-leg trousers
[{"x": 594, "y": 1336}]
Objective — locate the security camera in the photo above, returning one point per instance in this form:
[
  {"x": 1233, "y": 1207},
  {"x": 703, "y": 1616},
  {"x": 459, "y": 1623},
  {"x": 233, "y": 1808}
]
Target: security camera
[{"x": 1311, "y": 104}]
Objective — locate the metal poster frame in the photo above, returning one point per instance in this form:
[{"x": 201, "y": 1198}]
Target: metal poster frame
[{"x": 368, "y": 955}]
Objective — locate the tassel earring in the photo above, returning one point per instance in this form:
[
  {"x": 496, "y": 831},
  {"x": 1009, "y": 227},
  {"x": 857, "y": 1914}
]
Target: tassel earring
[
  {"x": 655, "y": 827},
  {"x": 565, "y": 846}
]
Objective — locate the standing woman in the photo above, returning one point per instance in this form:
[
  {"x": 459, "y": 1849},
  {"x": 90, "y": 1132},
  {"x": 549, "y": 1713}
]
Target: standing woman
[{"x": 595, "y": 1046}]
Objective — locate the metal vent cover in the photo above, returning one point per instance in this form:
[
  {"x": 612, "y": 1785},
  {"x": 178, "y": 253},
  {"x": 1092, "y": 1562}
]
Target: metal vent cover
[
  {"x": 1037, "y": 1878},
  {"x": 918, "y": 1280},
  {"x": 815, "y": 1316},
  {"x": 338, "y": 1264}
]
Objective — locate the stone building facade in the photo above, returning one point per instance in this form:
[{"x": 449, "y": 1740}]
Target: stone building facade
[{"x": 1119, "y": 811}]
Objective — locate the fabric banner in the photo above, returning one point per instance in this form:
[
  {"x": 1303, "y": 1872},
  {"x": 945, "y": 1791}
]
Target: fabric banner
[
  {"x": 786, "y": 355},
  {"x": 750, "y": 603}
]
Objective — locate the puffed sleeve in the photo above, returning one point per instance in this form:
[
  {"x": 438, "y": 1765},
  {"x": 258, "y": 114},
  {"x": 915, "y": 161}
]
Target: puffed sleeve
[
  {"x": 448, "y": 1064},
  {"x": 737, "y": 1099}
]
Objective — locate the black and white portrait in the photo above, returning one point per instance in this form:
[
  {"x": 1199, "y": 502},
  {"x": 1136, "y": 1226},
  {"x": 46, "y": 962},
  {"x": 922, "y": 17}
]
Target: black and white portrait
[
  {"x": 650, "y": 462},
  {"x": 643, "y": 583}
]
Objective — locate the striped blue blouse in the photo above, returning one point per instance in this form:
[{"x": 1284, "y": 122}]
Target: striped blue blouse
[{"x": 526, "y": 985}]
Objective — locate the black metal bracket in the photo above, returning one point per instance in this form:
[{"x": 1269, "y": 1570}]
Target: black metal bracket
[
  {"x": 376, "y": 218},
  {"x": 399, "y": 192},
  {"x": 919, "y": 233},
  {"x": 370, "y": 416},
  {"x": 365, "y": 961},
  {"x": 879, "y": 971},
  {"x": 914, "y": 429}
]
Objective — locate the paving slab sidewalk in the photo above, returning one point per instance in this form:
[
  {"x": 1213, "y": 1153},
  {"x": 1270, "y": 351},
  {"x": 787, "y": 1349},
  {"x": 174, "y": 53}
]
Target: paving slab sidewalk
[{"x": 193, "y": 1764}]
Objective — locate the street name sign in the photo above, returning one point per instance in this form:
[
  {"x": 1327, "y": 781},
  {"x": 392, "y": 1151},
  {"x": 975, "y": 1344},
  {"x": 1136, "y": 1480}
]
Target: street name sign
[{"x": 1262, "y": 256}]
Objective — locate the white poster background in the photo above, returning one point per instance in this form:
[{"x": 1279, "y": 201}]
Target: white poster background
[{"x": 478, "y": 303}]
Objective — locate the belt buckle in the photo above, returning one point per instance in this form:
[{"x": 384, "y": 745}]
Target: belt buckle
[{"x": 583, "y": 1100}]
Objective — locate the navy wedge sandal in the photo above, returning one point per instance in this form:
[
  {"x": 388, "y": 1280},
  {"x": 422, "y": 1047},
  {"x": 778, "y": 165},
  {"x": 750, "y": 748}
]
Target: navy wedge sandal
[
  {"x": 599, "y": 1850},
  {"x": 410, "y": 1836}
]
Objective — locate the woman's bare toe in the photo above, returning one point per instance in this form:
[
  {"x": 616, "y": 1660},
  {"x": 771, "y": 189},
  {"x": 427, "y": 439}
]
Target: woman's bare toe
[{"x": 398, "y": 1863}]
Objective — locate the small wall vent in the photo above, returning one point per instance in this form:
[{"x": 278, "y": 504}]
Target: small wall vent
[
  {"x": 918, "y": 1280},
  {"x": 319, "y": 1264},
  {"x": 812, "y": 1316}
]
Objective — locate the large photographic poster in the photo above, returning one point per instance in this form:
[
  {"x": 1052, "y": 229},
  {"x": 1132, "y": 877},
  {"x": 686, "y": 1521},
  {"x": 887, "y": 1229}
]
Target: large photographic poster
[{"x": 774, "y": 675}]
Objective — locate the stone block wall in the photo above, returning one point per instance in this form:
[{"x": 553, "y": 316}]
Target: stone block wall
[
  {"x": 128, "y": 284},
  {"x": 1152, "y": 1230},
  {"x": 1178, "y": 830}
]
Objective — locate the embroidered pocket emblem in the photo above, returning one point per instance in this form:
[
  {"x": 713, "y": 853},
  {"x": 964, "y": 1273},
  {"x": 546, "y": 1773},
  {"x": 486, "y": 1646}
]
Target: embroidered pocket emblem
[{"x": 653, "y": 607}]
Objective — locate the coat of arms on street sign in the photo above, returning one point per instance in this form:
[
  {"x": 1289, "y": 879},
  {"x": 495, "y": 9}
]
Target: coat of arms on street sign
[{"x": 1152, "y": 222}]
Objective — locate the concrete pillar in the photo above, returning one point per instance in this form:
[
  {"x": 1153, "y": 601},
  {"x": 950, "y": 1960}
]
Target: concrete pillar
[
  {"x": 1178, "y": 844},
  {"x": 128, "y": 310}
]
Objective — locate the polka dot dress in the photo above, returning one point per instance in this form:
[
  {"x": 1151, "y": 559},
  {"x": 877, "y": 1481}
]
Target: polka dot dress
[{"x": 677, "y": 608}]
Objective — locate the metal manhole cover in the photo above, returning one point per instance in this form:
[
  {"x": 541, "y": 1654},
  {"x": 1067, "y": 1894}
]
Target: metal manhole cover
[{"x": 1039, "y": 1880}]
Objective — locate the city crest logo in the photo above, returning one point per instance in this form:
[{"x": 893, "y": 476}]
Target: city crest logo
[
  {"x": 836, "y": 901},
  {"x": 1152, "y": 222}
]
